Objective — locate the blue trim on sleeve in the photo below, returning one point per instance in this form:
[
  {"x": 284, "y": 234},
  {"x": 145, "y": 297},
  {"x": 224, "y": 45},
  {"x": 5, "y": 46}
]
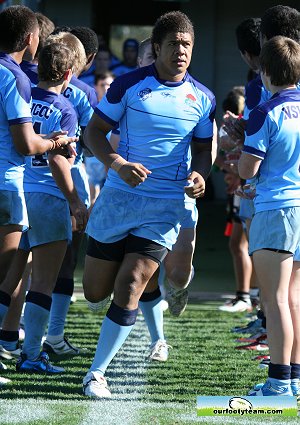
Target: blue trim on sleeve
[
  {"x": 253, "y": 92},
  {"x": 253, "y": 151},
  {"x": 105, "y": 117},
  {"x": 19, "y": 120},
  {"x": 255, "y": 121}
]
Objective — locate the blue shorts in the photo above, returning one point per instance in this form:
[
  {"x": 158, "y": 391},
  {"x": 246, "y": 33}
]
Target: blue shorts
[
  {"x": 190, "y": 218},
  {"x": 13, "y": 209},
  {"x": 49, "y": 219},
  {"x": 246, "y": 209},
  {"x": 117, "y": 213},
  {"x": 275, "y": 229},
  {"x": 96, "y": 171},
  {"x": 81, "y": 183}
]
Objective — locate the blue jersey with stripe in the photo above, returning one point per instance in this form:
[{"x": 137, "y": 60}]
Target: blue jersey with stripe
[
  {"x": 15, "y": 102},
  {"x": 84, "y": 99},
  {"x": 158, "y": 120},
  {"x": 273, "y": 135},
  {"x": 50, "y": 112},
  {"x": 31, "y": 70},
  {"x": 255, "y": 94}
]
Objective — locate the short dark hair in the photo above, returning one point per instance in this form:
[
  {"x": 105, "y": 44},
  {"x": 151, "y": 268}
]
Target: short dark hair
[
  {"x": 247, "y": 36},
  {"x": 16, "y": 23},
  {"x": 62, "y": 28},
  {"x": 280, "y": 60},
  {"x": 171, "y": 22},
  {"x": 103, "y": 76},
  {"x": 88, "y": 38},
  {"x": 46, "y": 27},
  {"x": 54, "y": 60},
  {"x": 281, "y": 20}
]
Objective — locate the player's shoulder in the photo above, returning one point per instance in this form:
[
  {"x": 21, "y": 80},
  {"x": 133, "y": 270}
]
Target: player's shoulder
[
  {"x": 124, "y": 82},
  {"x": 11, "y": 71},
  {"x": 201, "y": 89}
]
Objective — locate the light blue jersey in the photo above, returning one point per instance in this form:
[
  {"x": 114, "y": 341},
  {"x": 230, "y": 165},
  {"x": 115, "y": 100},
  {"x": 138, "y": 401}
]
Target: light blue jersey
[
  {"x": 15, "y": 102},
  {"x": 273, "y": 135},
  {"x": 84, "y": 100},
  {"x": 158, "y": 120},
  {"x": 50, "y": 112}
]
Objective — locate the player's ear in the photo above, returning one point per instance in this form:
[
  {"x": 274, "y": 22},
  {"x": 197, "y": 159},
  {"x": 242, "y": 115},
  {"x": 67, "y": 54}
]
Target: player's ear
[
  {"x": 68, "y": 75},
  {"x": 156, "y": 47},
  {"x": 29, "y": 38}
]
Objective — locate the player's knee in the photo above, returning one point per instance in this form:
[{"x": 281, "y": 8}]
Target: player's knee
[{"x": 180, "y": 278}]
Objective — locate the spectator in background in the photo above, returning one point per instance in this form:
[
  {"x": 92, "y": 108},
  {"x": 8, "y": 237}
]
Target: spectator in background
[
  {"x": 102, "y": 82},
  {"x": 130, "y": 54}
]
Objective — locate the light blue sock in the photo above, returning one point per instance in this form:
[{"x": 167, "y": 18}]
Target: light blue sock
[
  {"x": 9, "y": 345},
  {"x": 277, "y": 383},
  {"x": 112, "y": 336},
  {"x": 36, "y": 316},
  {"x": 153, "y": 314},
  {"x": 58, "y": 314}
]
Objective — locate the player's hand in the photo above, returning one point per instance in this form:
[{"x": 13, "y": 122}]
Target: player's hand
[
  {"x": 234, "y": 127},
  {"x": 232, "y": 181},
  {"x": 80, "y": 213},
  {"x": 247, "y": 191},
  {"x": 196, "y": 186},
  {"x": 133, "y": 173}
]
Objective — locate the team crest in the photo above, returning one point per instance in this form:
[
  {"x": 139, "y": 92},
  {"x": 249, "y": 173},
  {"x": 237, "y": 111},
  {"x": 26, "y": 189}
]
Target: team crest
[
  {"x": 190, "y": 99},
  {"x": 145, "y": 94}
]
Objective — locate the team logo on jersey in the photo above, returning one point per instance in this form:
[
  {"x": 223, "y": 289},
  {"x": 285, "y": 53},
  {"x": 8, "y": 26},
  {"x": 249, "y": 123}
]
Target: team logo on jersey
[
  {"x": 190, "y": 99},
  {"x": 145, "y": 94}
]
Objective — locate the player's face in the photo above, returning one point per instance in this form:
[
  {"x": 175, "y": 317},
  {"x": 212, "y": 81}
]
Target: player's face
[
  {"x": 102, "y": 86},
  {"x": 102, "y": 61},
  {"x": 147, "y": 57},
  {"x": 174, "y": 55}
]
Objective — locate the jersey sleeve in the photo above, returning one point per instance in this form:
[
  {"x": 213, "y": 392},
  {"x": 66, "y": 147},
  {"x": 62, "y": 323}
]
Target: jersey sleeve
[
  {"x": 112, "y": 106},
  {"x": 257, "y": 133},
  {"x": 85, "y": 111},
  {"x": 203, "y": 131},
  {"x": 17, "y": 109}
]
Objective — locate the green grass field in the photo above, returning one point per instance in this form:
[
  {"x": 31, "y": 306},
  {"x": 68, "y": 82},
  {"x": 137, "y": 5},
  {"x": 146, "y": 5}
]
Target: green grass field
[{"x": 203, "y": 361}]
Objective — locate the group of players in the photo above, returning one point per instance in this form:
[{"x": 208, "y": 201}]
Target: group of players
[{"x": 145, "y": 216}]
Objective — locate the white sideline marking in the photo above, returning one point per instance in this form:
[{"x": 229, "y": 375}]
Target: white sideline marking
[{"x": 23, "y": 411}]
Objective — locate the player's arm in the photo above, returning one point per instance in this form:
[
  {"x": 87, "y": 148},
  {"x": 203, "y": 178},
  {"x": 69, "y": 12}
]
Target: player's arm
[
  {"x": 61, "y": 171},
  {"x": 248, "y": 165},
  {"x": 201, "y": 166},
  {"x": 27, "y": 142},
  {"x": 95, "y": 139}
]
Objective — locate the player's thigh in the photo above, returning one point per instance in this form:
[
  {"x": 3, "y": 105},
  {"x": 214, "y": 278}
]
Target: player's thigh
[
  {"x": 46, "y": 263},
  {"x": 99, "y": 278},
  {"x": 10, "y": 236}
]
